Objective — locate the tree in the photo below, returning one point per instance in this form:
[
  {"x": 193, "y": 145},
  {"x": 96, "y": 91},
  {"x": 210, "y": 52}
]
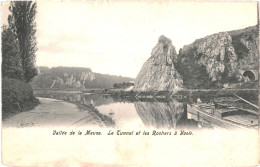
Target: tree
[
  {"x": 11, "y": 61},
  {"x": 115, "y": 85},
  {"x": 22, "y": 24}
]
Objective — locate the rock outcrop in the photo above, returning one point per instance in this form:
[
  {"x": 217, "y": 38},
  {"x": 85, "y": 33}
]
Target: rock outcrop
[
  {"x": 215, "y": 52},
  {"x": 246, "y": 42},
  {"x": 158, "y": 72},
  {"x": 217, "y": 59},
  {"x": 74, "y": 78},
  {"x": 77, "y": 81}
]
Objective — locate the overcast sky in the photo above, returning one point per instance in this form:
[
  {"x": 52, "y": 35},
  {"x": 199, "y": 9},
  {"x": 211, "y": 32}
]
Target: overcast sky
[{"x": 117, "y": 37}]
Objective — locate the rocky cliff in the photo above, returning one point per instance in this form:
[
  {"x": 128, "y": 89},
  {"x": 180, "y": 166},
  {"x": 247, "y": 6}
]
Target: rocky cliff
[
  {"x": 217, "y": 59},
  {"x": 74, "y": 78},
  {"x": 158, "y": 72},
  {"x": 245, "y": 43}
]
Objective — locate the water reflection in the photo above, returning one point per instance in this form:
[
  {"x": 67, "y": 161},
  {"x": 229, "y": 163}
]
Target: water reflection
[
  {"x": 159, "y": 114},
  {"x": 131, "y": 112},
  {"x": 79, "y": 98}
]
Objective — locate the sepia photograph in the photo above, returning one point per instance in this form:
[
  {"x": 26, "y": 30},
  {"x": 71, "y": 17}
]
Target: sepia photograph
[{"x": 130, "y": 83}]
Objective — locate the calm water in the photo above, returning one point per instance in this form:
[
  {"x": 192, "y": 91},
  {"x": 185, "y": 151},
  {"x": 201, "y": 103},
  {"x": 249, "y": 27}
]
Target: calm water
[{"x": 144, "y": 113}]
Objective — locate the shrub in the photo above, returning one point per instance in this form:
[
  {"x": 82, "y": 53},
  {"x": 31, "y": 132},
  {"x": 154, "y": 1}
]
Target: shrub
[{"x": 17, "y": 96}]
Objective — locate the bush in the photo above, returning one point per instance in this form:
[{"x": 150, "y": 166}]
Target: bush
[{"x": 17, "y": 96}]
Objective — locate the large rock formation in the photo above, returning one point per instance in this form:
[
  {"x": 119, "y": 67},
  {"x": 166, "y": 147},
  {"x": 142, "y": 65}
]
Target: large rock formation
[
  {"x": 218, "y": 58},
  {"x": 158, "y": 72},
  {"x": 246, "y": 42},
  {"x": 214, "y": 52}
]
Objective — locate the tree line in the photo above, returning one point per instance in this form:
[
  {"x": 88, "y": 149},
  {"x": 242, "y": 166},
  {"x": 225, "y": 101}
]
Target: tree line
[{"x": 122, "y": 85}]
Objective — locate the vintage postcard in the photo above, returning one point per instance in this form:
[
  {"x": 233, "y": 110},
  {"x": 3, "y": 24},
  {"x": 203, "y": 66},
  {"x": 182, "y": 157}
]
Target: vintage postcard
[{"x": 130, "y": 83}]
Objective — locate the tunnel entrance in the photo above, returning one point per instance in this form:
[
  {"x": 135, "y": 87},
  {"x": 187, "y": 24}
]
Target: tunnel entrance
[{"x": 250, "y": 75}]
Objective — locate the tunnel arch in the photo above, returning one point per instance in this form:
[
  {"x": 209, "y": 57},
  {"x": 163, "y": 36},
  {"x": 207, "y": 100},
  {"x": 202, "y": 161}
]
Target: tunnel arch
[{"x": 249, "y": 74}]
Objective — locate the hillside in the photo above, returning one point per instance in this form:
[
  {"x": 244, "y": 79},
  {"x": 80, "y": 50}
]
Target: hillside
[
  {"x": 245, "y": 43},
  {"x": 77, "y": 78},
  {"x": 219, "y": 59}
]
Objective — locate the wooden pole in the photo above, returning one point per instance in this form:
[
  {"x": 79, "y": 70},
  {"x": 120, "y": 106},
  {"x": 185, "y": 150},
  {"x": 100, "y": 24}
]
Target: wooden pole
[
  {"x": 246, "y": 101},
  {"x": 251, "y": 111}
]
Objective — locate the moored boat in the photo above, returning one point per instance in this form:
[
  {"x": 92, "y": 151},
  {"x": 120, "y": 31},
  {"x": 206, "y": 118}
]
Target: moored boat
[{"x": 228, "y": 118}]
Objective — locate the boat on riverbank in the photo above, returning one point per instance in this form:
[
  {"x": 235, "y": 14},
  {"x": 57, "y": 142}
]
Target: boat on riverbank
[{"x": 224, "y": 113}]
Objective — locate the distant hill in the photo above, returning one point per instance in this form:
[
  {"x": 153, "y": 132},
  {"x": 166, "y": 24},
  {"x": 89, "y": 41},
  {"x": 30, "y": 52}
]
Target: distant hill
[{"x": 77, "y": 78}]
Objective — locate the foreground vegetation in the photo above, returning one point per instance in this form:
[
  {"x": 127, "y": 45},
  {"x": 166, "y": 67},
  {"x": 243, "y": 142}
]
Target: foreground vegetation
[
  {"x": 18, "y": 58},
  {"x": 17, "y": 96}
]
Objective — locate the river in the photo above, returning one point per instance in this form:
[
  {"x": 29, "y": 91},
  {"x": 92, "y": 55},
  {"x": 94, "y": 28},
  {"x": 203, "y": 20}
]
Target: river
[{"x": 174, "y": 113}]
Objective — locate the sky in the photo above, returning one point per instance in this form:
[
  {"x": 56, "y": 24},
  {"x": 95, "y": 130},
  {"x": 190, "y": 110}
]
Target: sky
[{"x": 117, "y": 37}]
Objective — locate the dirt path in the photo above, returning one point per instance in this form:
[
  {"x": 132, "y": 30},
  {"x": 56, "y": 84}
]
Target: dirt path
[{"x": 51, "y": 112}]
